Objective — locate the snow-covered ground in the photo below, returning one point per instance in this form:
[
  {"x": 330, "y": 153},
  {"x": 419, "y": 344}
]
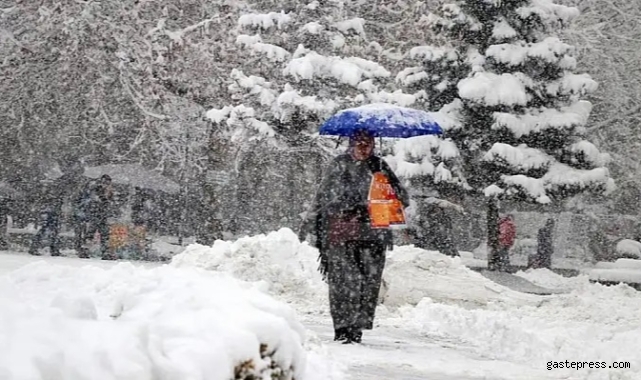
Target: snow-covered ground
[{"x": 438, "y": 320}]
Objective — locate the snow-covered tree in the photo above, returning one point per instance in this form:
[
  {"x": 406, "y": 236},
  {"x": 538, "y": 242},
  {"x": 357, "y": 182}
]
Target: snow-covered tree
[
  {"x": 522, "y": 129},
  {"x": 300, "y": 63}
]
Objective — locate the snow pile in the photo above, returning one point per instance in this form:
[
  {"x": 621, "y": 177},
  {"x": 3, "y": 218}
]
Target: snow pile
[
  {"x": 623, "y": 270},
  {"x": 629, "y": 247},
  {"x": 279, "y": 261},
  {"x": 591, "y": 323},
  {"x": 548, "y": 279},
  {"x": 412, "y": 274},
  {"x": 136, "y": 323}
]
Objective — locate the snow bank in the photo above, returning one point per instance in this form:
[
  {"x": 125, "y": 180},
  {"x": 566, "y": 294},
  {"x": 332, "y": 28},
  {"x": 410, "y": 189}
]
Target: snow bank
[
  {"x": 629, "y": 247},
  {"x": 591, "y": 322},
  {"x": 135, "y": 323},
  {"x": 279, "y": 261},
  {"x": 412, "y": 274}
]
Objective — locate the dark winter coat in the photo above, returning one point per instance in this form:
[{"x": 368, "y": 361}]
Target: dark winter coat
[
  {"x": 343, "y": 194},
  {"x": 545, "y": 247},
  {"x": 93, "y": 203}
]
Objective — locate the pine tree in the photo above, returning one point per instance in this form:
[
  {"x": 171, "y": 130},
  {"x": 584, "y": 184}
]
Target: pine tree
[
  {"x": 299, "y": 63},
  {"x": 522, "y": 127}
]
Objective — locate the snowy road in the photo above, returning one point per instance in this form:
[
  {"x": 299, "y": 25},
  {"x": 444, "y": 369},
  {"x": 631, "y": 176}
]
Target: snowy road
[{"x": 436, "y": 341}]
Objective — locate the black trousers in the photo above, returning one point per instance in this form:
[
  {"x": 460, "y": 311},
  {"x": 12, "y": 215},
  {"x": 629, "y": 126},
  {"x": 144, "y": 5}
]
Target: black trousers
[
  {"x": 354, "y": 274},
  {"x": 85, "y": 230},
  {"x": 50, "y": 225}
]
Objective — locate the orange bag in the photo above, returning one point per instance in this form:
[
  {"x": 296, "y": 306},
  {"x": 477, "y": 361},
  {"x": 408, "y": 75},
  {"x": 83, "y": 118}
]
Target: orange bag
[{"x": 385, "y": 209}]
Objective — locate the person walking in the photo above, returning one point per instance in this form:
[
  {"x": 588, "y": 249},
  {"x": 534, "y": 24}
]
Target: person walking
[
  {"x": 92, "y": 210},
  {"x": 507, "y": 237},
  {"x": 340, "y": 225},
  {"x": 545, "y": 248},
  {"x": 49, "y": 222}
]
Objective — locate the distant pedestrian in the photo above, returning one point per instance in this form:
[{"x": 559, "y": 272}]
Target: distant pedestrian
[
  {"x": 49, "y": 222},
  {"x": 507, "y": 237},
  {"x": 545, "y": 248},
  {"x": 4, "y": 213},
  {"x": 92, "y": 208}
]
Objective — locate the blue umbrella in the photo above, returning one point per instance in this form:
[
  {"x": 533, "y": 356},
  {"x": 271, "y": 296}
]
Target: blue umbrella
[{"x": 381, "y": 120}]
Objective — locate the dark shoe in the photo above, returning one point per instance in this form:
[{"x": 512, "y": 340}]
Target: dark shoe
[
  {"x": 56, "y": 253},
  {"x": 109, "y": 257},
  {"x": 83, "y": 253},
  {"x": 353, "y": 336},
  {"x": 34, "y": 253},
  {"x": 340, "y": 334}
]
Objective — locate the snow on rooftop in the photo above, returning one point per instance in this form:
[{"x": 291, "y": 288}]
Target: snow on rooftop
[
  {"x": 522, "y": 157},
  {"x": 346, "y": 70},
  {"x": 493, "y": 90},
  {"x": 538, "y": 120},
  {"x": 264, "y": 21},
  {"x": 356, "y": 24}
]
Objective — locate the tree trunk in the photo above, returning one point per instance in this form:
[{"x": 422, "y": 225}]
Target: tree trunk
[{"x": 493, "y": 257}]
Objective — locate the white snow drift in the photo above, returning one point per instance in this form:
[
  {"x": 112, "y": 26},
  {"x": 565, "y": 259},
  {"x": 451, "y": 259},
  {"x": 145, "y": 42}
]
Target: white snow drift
[{"x": 134, "y": 323}]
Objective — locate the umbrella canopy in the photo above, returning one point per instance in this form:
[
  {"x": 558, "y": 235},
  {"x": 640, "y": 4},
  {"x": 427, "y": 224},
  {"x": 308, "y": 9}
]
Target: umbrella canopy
[
  {"x": 8, "y": 192},
  {"x": 381, "y": 120},
  {"x": 134, "y": 175}
]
